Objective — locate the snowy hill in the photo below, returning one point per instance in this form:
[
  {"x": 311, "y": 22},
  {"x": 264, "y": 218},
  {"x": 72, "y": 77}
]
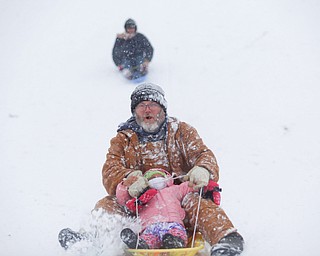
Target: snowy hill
[{"x": 244, "y": 73}]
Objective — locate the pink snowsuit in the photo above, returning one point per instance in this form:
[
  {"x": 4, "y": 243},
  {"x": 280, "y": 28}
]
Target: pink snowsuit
[{"x": 165, "y": 207}]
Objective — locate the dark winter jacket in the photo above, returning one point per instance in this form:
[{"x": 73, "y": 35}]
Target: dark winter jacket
[{"x": 131, "y": 49}]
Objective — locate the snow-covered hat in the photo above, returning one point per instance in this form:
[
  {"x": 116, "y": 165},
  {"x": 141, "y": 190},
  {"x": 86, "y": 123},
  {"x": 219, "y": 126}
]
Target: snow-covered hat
[{"x": 150, "y": 92}]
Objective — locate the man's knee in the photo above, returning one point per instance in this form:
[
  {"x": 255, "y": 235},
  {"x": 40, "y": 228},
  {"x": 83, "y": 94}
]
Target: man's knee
[
  {"x": 110, "y": 205},
  {"x": 213, "y": 222}
]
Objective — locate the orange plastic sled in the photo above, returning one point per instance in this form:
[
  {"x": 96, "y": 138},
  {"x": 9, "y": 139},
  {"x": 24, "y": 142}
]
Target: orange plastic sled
[{"x": 188, "y": 251}]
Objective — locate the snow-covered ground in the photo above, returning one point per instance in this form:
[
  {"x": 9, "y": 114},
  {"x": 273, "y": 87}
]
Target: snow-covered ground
[{"x": 245, "y": 73}]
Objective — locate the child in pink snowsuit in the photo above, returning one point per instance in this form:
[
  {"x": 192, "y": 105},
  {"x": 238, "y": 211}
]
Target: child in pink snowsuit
[{"x": 161, "y": 213}]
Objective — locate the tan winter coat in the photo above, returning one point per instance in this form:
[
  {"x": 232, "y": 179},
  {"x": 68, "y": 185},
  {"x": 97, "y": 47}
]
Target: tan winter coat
[{"x": 183, "y": 150}]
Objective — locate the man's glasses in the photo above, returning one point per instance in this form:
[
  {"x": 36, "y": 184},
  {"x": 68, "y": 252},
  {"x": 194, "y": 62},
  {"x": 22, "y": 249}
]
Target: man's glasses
[{"x": 151, "y": 106}]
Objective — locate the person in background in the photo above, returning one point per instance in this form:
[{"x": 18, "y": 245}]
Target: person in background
[{"x": 132, "y": 52}]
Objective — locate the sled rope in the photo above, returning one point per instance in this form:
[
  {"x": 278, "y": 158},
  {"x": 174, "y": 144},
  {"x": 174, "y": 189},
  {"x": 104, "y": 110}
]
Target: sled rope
[
  {"x": 196, "y": 222},
  {"x": 137, "y": 214},
  {"x": 173, "y": 178}
]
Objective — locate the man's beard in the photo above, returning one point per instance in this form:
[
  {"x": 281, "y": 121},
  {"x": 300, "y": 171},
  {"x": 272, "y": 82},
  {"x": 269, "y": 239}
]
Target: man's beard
[{"x": 154, "y": 127}]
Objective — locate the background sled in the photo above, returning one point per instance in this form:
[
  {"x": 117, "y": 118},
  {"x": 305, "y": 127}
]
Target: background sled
[
  {"x": 139, "y": 79},
  {"x": 136, "y": 74},
  {"x": 188, "y": 251}
]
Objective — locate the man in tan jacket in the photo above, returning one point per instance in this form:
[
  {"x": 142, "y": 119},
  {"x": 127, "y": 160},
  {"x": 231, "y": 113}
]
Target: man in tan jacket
[{"x": 152, "y": 139}]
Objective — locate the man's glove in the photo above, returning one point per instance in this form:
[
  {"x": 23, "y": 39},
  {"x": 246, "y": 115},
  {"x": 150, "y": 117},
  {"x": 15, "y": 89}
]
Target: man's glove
[
  {"x": 131, "y": 178},
  {"x": 142, "y": 200},
  {"x": 198, "y": 176},
  {"x": 212, "y": 191},
  {"x": 136, "y": 188}
]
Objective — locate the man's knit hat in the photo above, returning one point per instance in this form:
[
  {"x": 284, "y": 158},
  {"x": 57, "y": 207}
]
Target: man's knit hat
[{"x": 150, "y": 92}]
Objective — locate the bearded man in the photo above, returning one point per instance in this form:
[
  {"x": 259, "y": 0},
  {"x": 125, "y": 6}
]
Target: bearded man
[{"x": 151, "y": 139}]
